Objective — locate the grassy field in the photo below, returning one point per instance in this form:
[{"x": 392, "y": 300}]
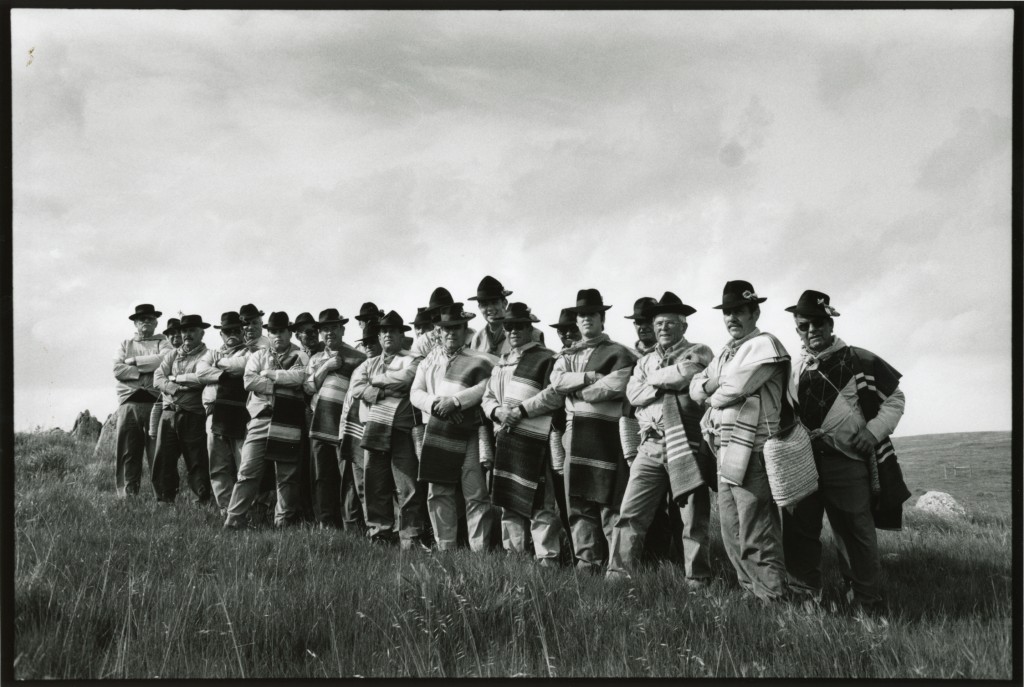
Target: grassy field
[{"x": 107, "y": 588}]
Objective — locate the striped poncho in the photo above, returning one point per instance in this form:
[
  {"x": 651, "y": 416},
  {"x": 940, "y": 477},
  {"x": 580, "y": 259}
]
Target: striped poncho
[
  {"x": 289, "y": 412},
  {"x": 397, "y": 372},
  {"x": 329, "y": 399}
]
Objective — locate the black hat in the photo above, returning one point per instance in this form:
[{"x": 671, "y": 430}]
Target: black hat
[
  {"x": 278, "y": 320},
  {"x": 489, "y": 289},
  {"x": 144, "y": 310},
  {"x": 517, "y": 312},
  {"x": 229, "y": 320},
  {"x": 589, "y": 301},
  {"x": 393, "y": 319},
  {"x": 813, "y": 304},
  {"x": 439, "y": 297},
  {"x": 669, "y": 303},
  {"x": 369, "y": 311},
  {"x": 249, "y": 311},
  {"x": 370, "y": 333},
  {"x": 303, "y": 318},
  {"x": 640, "y": 308},
  {"x": 451, "y": 315},
  {"x": 737, "y": 294},
  {"x": 422, "y": 318},
  {"x": 330, "y": 316},
  {"x": 173, "y": 324},
  {"x": 566, "y": 319},
  {"x": 192, "y": 321}
]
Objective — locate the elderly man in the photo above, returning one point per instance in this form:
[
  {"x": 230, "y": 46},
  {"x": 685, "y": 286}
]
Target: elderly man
[
  {"x": 328, "y": 377},
  {"x": 134, "y": 364},
  {"x": 670, "y": 438},
  {"x": 381, "y": 386},
  {"x": 850, "y": 401},
  {"x": 273, "y": 377},
  {"x": 743, "y": 387},
  {"x": 592, "y": 375},
  {"x": 221, "y": 369},
  {"x": 182, "y": 426},
  {"x": 492, "y": 299},
  {"x": 173, "y": 334},
  {"x": 448, "y": 388},
  {"x": 519, "y": 401}
]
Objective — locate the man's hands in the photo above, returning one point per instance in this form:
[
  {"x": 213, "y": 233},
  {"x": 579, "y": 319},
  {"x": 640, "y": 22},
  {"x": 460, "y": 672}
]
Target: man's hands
[
  {"x": 864, "y": 441},
  {"x": 508, "y": 417},
  {"x": 129, "y": 361},
  {"x": 447, "y": 408}
]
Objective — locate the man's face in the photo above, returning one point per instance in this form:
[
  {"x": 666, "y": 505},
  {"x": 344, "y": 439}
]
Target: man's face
[
  {"x": 452, "y": 338},
  {"x": 669, "y": 329},
  {"x": 740, "y": 321},
  {"x": 145, "y": 326},
  {"x": 423, "y": 329},
  {"x": 280, "y": 339},
  {"x": 253, "y": 328},
  {"x": 191, "y": 337},
  {"x": 331, "y": 334},
  {"x": 391, "y": 339},
  {"x": 491, "y": 308},
  {"x": 815, "y": 332},
  {"x": 644, "y": 331},
  {"x": 590, "y": 324},
  {"x": 175, "y": 338},
  {"x": 307, "y": 335},
  {"x": 518, "y": 333},
  {"x": 231, "y": 336},
  {"x": 372, "y": 347},
  {"x": 568, "y": 335}
]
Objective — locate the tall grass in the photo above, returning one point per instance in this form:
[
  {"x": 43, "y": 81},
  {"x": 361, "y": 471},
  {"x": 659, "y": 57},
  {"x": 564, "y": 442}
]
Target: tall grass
[{"x": 108, "y": 588}]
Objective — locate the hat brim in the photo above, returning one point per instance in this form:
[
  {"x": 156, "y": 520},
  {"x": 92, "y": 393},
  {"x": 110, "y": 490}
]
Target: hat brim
[
  {"x": 201, "y": 325},
  {"x": 170, "y": 330},
  {"x": 367, "y": 318},
  {"x": 240, "y": 325},
  {"x": 453, "y": 323},
  {"x": 530, "y": 319},
  {"x": 809, "y": 310},
  {"x": 403, "y": 327},
  {"x": 155, "y": 313},
  {"x": 563, "y": 325},
  {"x": 589, "y": 309},
  {"x": 343, "y": 320},
  {"x": 684, "y": 310},
  {"x": 490, "y": 296},
  {"x": 739, "y": 304}
]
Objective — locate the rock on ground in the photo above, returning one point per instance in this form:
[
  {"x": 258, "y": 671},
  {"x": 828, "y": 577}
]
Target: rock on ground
[
  {"x": 105, "y": 444},
  {"x": 87, "y": 428},
  {"x": 942, "y": 504}
]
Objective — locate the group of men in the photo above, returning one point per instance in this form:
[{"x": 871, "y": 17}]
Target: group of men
[{"x": 599, "y": 447}]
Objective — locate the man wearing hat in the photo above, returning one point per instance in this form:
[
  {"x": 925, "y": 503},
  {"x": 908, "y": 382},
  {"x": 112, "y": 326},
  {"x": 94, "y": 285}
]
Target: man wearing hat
[
  {"x": 328, "y": 377},
  {"x": 519, "y": 401},
  {"x": 568, "y": 334},
  {"x": 310, "y": 344},
  {"x": 670, "y": 438},
  {"x": 646, "y": 338},
  {"x": 224, "y": 396},
  {"x": 447, "y": 389},
  {"x": 273, "y": 377},
  {"x": 380, "y": 387},
  {"x": 592, "y": 375},
  {"x": 492, "y": 299},
  {"x": 173, "y": 334},
  {"x": 431, "y": 339},
  {"x": 743, "y": 387},
  {"x": 252, "y": 329},
  {"x": 182, "y": 425},
  {"x": 134, "y": 364},
  {"x": 368, "y": 313},
  {"x": 568, "y": 331},
  {"x": 850, "y": 402},
  {"x": 422, "y": 323}
]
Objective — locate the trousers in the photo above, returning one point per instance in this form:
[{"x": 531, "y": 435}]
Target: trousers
[
  {"x": 443, "y": 511},
  {"x": 389, "y": 479},
  {"x": 250, "y": 473},
  {"x": 130, "y": 445},
  {"x": 181, "y": 434}
]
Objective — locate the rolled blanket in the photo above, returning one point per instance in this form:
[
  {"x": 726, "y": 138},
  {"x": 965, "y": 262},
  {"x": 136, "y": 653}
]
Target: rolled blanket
[
  {"x": 629, "y": 435},
  {"x": 681, "y": 446},
  {"x": 228, "y": 408},
  {"x": 444, "y": 450},
  {"x": 557, "y": 449}
]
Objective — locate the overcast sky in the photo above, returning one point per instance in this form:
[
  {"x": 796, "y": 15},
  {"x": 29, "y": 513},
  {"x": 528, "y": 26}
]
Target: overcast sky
[{"x": 304, "y": 160}]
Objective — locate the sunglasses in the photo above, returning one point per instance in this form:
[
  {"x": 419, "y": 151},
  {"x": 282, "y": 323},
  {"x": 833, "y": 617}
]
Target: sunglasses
[
  {"x": 230, "y": 330},
  {"x": 514, "y": 326},
  {"x": 805, "y": 326}
]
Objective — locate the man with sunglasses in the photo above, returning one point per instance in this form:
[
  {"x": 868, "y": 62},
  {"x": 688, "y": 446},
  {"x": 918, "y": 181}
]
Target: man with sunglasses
[
  {"x": 743, "y": 388},
  {"x": 492, "y": 299},
  {"x": 850, "y": 401}
]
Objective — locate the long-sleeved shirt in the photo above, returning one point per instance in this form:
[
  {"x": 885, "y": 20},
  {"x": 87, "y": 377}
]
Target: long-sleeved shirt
[
  {"x": 571, "y": 379},
  {"x": 216, "y": 364},
  {"x": 261, "y": 389},
  {"x": 545, "y": 401},
  {"x": 391, "y": 375},
  {"x": 186, "y": 391},
  {"x": 497, "y": 344},
  {"x": 430, "y": 374},
  {"x": 148, "y": 352},
  {"x": 650, "y": 379},
  {"x": 427, "y": 342}
]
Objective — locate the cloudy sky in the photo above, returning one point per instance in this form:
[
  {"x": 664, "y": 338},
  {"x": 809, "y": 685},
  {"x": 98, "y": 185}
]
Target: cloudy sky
[{"x": 304, "y": 160}]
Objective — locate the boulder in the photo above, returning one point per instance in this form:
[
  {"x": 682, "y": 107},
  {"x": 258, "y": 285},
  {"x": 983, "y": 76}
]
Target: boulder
[
  {"x": 942, "y": 504},
  {"x": 87, "y": 428},
  {"x": 108, "y": 438}
]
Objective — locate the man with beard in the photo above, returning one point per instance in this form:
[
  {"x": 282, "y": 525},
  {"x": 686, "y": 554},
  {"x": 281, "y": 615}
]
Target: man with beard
[
  {"x": 182, "y": 428},
  {"x": 592, "y": 375},
  {"x": 328, "y": 377},
  {"x": 221, "y": 369},
  {"x": 492, "y": 299},
  {"x": 134, "y": 364},
  {"x": 273, "y": 377}
]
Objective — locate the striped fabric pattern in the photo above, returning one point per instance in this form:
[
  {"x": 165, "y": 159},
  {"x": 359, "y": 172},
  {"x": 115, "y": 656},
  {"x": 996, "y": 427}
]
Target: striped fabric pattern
[
  {"x": 351, "y": 432},
  {"x": 681, "y": 447},
  {"x": 285, "y": 431},
  {"x": 378, "y": 426},
  {"x": 329, "y": 401}
]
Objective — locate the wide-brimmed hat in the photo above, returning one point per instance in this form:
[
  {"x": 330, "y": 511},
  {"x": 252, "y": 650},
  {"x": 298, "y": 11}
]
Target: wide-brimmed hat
[
  {"x": 229, "y": 320},
  {"x": 669, "y": 304},
  {"x": 330, "y": 316},
  {"x": 422, "y": 318},
  {"x": 517, "y": 312},
  {"x": 144, "y": 310},
  {"x": 439, "y": 298},
  {"x": 303, "y": 318},
  {"x": 393, "y": 319},
  {"x": 737, "y": 294},
  {"x": 490, "y": 289},
  {"x": 566, "y": 318},
  {"x": 192, "y": 321},
  {"x": 249, "y": 311},
  {"x": 640, "y": 308},
  {"x": 278, "y": 320},
  {"x": 451, "y": 315},
  {"x": 370, "y": 333},
  {"x": 589, "y": 301},
  {"x": 813, "y": 304},
  {"x": 173, "y": 324},
  {"x": 369, "y": 311}
]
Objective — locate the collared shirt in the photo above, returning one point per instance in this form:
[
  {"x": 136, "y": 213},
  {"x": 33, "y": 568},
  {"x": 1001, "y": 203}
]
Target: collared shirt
[
  {"x": 650, "y": 378},
  {"x": 430, "y": 374},
  {"x": 544, "y": 401},
  {"x": 261, "y": 389},
  {"x": 148, "y": 352},
  {"x": 186, "y": 391},
  {"x": 428, "y": 341},
  {"x": 392, "y": 374},
  {"x": 571, "y": 379},
  {"x": 498, "y": 344},
  {"x": 211, "y": 370}
]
